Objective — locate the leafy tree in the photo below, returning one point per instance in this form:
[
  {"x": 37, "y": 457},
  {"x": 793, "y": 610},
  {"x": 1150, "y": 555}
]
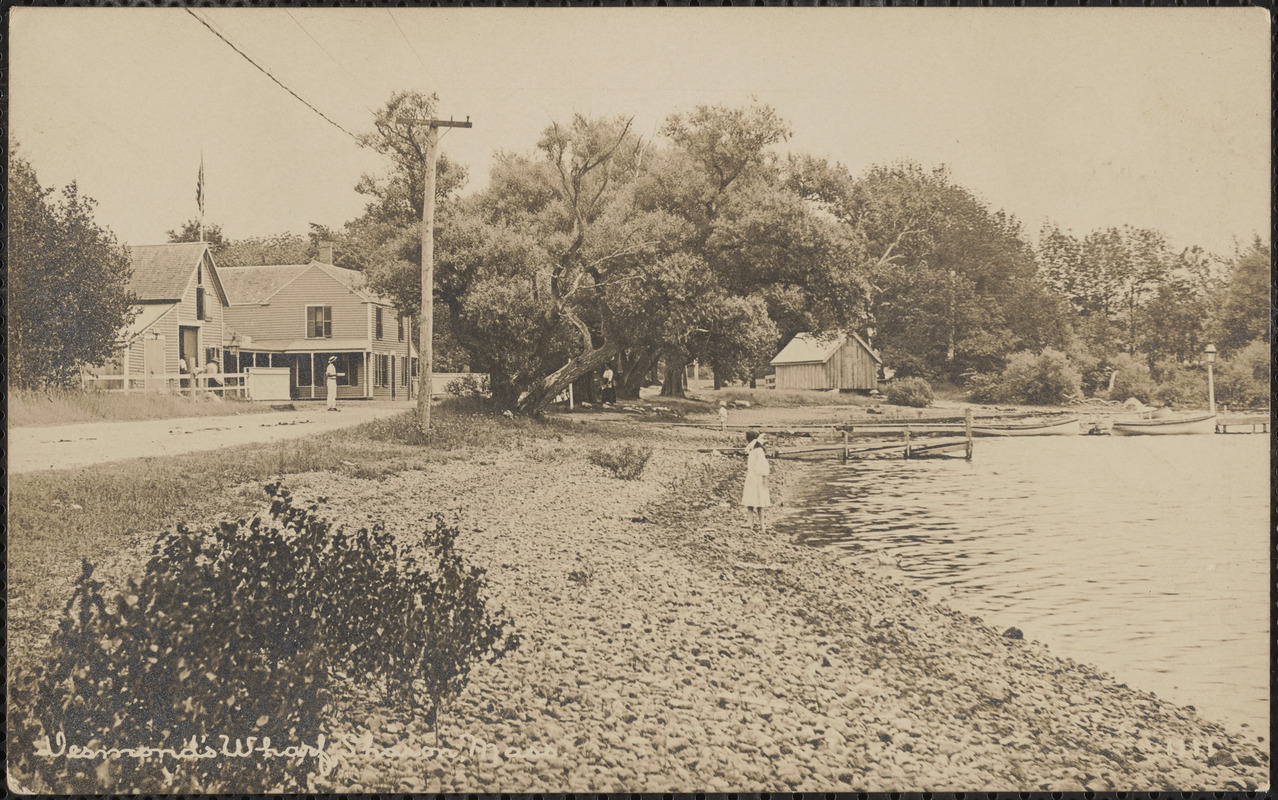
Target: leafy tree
[
  {"x": 1246, "y": 313},
  {"x": 189, "y": 231},
  {"x": 68, "y": 295}
]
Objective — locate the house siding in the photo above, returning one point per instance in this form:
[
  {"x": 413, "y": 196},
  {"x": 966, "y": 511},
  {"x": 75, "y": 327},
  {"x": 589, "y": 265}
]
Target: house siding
[
  {"x": 849, "y": 367},
  {"x": 210, "y": 328},
  {"x": 284, "y": 315}
]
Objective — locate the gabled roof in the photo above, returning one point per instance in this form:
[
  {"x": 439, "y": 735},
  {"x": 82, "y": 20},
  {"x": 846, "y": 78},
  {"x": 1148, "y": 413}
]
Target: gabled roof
[
  {"x": 146, "y": 317},
  {"x": 811, "y": 348},
  {"x": 252, "y": 285},
  {"x": 353, "y": 279},
  {"x": 163, "y": 271}
]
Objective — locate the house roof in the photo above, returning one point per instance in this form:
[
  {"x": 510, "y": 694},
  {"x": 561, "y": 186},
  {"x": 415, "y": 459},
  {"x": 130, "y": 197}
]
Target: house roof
[
  {"x": 162, "y": 271},
  {"x": 811, "y": 348},
  {"x": 257, "y": 284},
  {"x": 147, "y": 316},
  {"x": 250, "y": 285}
]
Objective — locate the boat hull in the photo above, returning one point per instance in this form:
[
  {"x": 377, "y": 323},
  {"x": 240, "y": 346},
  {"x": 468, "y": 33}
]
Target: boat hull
[
  {"x": 1205, "y": 423},
  {"x": 1068, "y": 426},
  {"x": 1062, "y": 427}
]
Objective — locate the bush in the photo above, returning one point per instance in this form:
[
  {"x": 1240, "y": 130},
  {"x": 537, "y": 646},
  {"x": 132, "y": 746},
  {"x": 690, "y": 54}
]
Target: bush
[
  {"x": 1043, "y": 379},
  {"x": 626, "y": 462},
  {"x": 244, "y": 631},
  {"x": 1131, "y": 379},
  {"x": 914, "y": 392},
  {"x": 983, "y": 387},
  {"x": 1244, "y": 380},
  {"x": 469, "y": 386},
  {"x": 1181, "y": 386}
]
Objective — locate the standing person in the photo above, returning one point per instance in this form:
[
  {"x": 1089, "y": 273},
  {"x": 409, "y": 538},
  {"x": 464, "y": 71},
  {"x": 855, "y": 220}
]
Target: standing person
[
  {"x": 330, "y": 382},
  {"x": 755, "y": 496},
  {"x": 723, "y": 417},
  {"x": 609, "y": 389}
]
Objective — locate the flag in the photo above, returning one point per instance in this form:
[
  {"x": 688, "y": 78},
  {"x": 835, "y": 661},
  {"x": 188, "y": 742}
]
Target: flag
[{"x": 199, "y": 187}]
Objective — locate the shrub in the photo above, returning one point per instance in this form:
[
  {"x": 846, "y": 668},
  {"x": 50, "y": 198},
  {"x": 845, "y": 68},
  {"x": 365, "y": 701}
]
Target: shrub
[
  {"x": 1131, "y": 379},
  {"x": 983, "y": 387},
  {"x": 1181, "y": 386},
  {"x": 1043, "y": 379},
  {"x": 244, "y": 631},
  {"x": 914, "y": 392},
  {"x": 1244, "y": 380},
  {"x": 469, "y": 386},
  {"x": 626, "y": 462}
]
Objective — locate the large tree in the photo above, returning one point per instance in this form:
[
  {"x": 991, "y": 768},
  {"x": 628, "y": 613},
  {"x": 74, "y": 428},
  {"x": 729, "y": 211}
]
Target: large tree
[
  {"x": 1245, "y": 310},
  {"x": 68, "y": 296}
]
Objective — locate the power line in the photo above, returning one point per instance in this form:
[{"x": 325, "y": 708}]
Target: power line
[
  {"x": 407, "y": 42},
  {"x": 330, "y": 55},
  {"x": 267, "y": 73}
]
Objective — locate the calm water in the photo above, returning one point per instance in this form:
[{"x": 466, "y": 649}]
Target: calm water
[{"x": 1146, "y": 556}]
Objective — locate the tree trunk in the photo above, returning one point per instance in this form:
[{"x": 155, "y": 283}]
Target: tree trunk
[
  {"x": 634, "y": 373},
  {"x": 675, "y": 384},
  {"x": 718, "y": 381},
  {"x": 544, "y": 391}
]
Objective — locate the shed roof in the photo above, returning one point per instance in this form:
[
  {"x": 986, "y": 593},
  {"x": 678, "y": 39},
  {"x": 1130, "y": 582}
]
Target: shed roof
[
  {"x": 147, "y": 315},
  {"x": 813, "y": 348},
  {"x": 162, "y": 271}
]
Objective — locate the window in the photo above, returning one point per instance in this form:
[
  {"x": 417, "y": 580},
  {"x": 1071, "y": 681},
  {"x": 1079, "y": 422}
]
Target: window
[
  {"x": 400, "y": 319},
  {"x": 382, "y": 365},
  {"x": 377, "y": 321},
  {"x": 347, "y": 368},
  {"x": 199, "y": 303},
  {"x": 319, "y": 322}
]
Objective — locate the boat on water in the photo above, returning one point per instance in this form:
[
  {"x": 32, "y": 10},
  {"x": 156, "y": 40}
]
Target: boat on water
[
  {"x": 1064, "y": 426},
  {"x": 1161, "y": 426}
]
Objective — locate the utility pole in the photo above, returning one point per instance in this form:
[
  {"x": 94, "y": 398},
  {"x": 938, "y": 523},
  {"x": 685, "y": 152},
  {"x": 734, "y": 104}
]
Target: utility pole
[{"x": 426, "y": 330}]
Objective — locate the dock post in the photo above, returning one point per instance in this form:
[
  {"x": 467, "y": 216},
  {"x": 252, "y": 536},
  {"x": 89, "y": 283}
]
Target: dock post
[
  {"x": 845, "y": 447},
  {"x": 967, "y": 431},
  {"x": 907, "y": 441}
]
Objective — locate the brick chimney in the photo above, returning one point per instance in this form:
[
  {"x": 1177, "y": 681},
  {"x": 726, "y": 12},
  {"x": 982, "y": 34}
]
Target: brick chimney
[{"x": 326, "y": 252}]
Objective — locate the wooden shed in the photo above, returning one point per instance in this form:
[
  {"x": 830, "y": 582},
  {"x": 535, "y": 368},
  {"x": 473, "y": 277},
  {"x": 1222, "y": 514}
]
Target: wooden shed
[{"x": 827, "y": 361}]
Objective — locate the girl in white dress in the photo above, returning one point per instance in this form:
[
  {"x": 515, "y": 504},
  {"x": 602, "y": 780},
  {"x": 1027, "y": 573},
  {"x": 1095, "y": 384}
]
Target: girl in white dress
[{"x": 755, "y": 496}]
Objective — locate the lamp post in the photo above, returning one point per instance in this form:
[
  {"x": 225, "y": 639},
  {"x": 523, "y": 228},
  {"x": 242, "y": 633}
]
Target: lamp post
[{"x": 1211, "y": 380}]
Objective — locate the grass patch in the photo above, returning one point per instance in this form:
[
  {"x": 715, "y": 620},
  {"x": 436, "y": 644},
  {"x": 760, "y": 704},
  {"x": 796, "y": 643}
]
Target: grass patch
[
  {"x": 57, "y": 518},
  {"x": 62, "y": 407}
]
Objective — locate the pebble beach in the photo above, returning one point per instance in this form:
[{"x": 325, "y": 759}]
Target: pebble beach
[{"x": 668, "y": 647}]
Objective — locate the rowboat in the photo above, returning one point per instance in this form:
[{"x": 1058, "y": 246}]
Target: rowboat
[
  {"x": 1065, "y": 426},
  {"x": 1200, "y": 423}
]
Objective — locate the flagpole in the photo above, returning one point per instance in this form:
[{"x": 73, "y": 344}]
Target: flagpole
[{"x": 199, "y": 194}]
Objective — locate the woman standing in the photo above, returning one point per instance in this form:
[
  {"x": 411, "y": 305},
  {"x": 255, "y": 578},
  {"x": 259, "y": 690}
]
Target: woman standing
[{"x": 755, "y": 496}]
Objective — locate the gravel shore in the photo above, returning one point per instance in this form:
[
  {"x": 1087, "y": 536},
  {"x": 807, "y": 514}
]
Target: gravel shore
[{"x": 667, "y": 647}]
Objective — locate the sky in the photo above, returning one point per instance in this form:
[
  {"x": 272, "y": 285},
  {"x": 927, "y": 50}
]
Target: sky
[{"x": 1088, "y": 118}]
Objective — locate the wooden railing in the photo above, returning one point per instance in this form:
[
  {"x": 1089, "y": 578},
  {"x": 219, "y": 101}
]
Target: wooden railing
[{"x": 221, "y": 383}]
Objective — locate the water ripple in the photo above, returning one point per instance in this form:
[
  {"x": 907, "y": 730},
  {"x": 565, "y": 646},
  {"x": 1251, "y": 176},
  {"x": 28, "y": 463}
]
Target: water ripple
[{"x": 1145, "y": 556}]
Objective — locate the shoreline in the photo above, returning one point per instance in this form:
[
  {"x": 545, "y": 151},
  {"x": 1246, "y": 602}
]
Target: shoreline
[
  {"x": 667, "y": 647},
  {"x": 702, "y": 655}
]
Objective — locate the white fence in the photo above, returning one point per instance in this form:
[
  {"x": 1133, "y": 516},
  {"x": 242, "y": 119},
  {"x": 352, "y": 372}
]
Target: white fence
[{"x": 222, "y": 383}]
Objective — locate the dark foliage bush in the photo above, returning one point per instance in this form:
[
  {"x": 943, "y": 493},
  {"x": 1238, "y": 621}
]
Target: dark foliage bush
[
  {"x": 626, "y": 462},
  {"x": 248, "y": 630},
  {"x": 1045, "y": 378},
  {"x": 913, "y": 392}
]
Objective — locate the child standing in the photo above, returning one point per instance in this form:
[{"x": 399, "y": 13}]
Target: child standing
[
  {"x": 723, "y": 417},
  {"x": 755, "y": 497}
]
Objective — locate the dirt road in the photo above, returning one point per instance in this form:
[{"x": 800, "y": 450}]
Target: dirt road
[{"x": 64, "y": 446}]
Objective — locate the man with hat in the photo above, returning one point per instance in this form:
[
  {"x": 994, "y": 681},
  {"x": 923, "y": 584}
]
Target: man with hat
[{"x": 330, "y": 382}]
